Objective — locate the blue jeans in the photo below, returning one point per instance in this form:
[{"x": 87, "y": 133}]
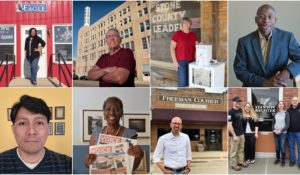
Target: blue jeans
[
  {"x": 183, "y": 73},
  {"x": 280, "y": 145},
  {"x": 34, "y": 68},
  {"x": 291, "y": 139}
]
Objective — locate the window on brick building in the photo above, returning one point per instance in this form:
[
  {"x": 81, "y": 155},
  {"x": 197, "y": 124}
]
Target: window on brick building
[
  {"x": 193, "y": 133},
  {"x": 140, "y": 13},
  {"x": 147, "y": 24},
  {"x": 132, "y": 45},
  {"x": 148, "y": 40},
  {"x": 145, "y": 10},
  {"x": 127, "y": 45},
  {"x": 126, "y": 33},
  {"x": 144, "y": 43},
  {"x": 264, "y": 101},
  {"x": 142, "y": 27}
]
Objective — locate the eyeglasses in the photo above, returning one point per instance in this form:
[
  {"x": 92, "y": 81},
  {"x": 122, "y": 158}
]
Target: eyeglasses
[
  {"x": 263, "y": 17},
  {"x": 112, "y": 36},
  {"x": 115, "y": 110}
]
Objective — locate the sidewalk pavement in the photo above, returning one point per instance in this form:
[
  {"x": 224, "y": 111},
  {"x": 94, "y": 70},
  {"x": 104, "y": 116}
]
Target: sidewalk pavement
[
  {"x": 208, "y": 162},
  {"x": 23, "y": 82},
  {"x": 266, "y": 166},
  {"x": 89, "y": 83}
]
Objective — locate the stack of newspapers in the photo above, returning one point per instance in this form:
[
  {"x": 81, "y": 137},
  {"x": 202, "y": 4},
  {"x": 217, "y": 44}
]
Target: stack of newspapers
[
  {"x": 203, "y": 55},
  {"x": 112, "y": 157}
]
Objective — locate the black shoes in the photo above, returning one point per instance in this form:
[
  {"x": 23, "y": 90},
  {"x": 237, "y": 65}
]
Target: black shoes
[
  {"x": 282, "y": 164},
  {"x": 276, "y": 161},
  {"x": 292, "y": 163},
  {"x": 33, "y": 82}
]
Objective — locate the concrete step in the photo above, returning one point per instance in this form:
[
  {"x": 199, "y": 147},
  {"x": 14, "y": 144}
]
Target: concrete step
[
  {"x": 207, "y": 162},
  {"x": 23, "y": 82},
  {"x": 56, "y": 82}
]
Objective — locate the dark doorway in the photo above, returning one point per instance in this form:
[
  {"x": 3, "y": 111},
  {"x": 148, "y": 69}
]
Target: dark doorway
[{"x": 213, "y": 139}]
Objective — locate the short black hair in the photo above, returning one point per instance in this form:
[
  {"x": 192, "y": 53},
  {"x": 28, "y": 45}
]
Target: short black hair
[
  {"x": 114, "y": 99},
  {"x": 33, "y": 105}
]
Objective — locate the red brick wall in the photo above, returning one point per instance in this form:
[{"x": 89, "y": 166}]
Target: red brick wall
[{"x": 241, "y": 92}]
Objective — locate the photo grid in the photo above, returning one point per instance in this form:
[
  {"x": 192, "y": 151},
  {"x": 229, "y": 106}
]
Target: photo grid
[{"x": 149, "y": 87}]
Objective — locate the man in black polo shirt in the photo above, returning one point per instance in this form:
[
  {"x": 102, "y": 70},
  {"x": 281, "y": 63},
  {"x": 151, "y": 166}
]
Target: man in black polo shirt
[
  {"x": 236, "y": 133},
  {"x": 30, "y": 117},
  {"x": 294, "y": 131}
]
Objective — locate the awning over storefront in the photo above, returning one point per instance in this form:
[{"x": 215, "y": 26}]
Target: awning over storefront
[{"x": 189, "y": 116}]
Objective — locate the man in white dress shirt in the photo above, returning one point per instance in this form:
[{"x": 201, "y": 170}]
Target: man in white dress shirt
[{"x": 175, "y": 149}]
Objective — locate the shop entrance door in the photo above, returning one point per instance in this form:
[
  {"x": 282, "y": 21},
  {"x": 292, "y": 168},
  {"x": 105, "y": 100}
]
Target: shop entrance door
[
  {"x": 213, "y": 139},
  {"x": 25, "y": 68}
]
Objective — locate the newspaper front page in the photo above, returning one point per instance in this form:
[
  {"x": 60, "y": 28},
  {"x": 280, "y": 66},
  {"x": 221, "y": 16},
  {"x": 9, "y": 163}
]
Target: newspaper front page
[
  {"x": 108, "y": 139},
  {"x": 111, "y": 159}
]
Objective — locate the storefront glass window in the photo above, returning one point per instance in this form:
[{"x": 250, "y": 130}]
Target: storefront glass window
[
  {"x": 65, "y": 50},
  {"x": 194, "y": 134},
  {"x": 7, "y": 40},
  {"x": 63, "y": 41},
  {"x": 264, "y": 101}
]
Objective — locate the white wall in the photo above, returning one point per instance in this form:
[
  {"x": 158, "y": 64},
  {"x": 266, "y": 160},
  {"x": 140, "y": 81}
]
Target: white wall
[
  {"x": 135, "y": 100},
  {"x": 242, "y": 22}
]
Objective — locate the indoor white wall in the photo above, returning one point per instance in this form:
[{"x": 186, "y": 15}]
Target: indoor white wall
[{"x": 241, "y": 22}]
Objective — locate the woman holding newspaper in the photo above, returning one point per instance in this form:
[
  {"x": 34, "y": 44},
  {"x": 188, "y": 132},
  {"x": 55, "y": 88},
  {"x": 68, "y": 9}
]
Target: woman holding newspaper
[{"x": 113, "y": 132}]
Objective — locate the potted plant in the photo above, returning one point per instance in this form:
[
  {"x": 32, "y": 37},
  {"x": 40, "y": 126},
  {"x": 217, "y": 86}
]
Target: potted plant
[{"x": 201, "y": 146}]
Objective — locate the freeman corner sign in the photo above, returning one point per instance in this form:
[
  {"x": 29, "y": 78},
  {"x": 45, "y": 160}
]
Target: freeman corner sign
[{"x": 31, "y": 8}]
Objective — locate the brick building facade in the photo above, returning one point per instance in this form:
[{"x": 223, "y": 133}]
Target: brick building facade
[
  {"x": 131, "y": 18},
  {"x": 210, "y": 24},
  {"x": 203, "y": 114}
]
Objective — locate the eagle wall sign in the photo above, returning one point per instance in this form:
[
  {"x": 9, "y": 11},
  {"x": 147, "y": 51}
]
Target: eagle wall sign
[{"x": 38, "y": 7}]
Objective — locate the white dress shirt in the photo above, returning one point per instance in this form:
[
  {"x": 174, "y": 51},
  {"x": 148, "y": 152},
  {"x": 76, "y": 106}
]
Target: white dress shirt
[{"x": 175, "y": 150}]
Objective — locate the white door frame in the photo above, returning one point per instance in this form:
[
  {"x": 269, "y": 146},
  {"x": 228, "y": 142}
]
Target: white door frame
[
  {"x": 42, "y": 66},
  {"x": 269, "y": 133}
]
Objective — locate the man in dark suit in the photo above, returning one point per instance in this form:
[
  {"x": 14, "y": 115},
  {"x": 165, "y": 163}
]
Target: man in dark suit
[{"x": 262, "y": 56}]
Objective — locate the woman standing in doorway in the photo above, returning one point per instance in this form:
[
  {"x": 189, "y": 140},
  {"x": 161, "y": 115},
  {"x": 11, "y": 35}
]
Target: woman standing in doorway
[
  {"x": 250, "y": 126},
  {"x": 33, "y": 47},
  {"x": 280, "y": 124},
  {"x": 183, "y": 48}
]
